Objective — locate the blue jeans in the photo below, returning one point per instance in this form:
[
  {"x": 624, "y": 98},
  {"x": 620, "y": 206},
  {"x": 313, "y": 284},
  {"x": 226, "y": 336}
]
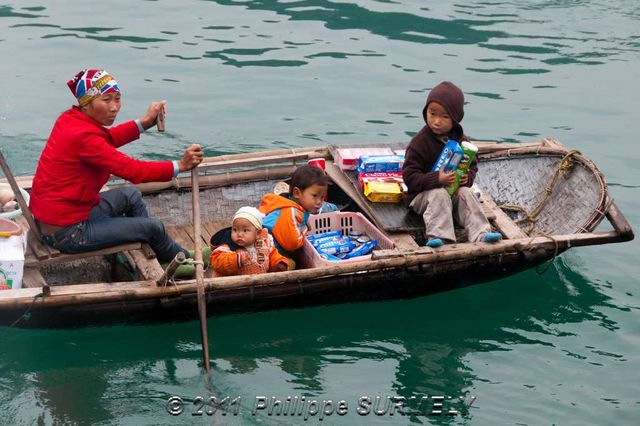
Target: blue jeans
[{"x": 119, "y": 218}]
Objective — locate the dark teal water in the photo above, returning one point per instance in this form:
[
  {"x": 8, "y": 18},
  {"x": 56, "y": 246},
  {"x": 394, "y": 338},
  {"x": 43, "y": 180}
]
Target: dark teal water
[{"x": 559, "y": 348}]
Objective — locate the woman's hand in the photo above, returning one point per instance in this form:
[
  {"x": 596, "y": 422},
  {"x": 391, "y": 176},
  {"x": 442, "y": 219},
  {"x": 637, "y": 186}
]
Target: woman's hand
[
  {"x": 191, "y": 158},
  {"x": 150, "y": 117},
  {"x": 446, "y": 179}
]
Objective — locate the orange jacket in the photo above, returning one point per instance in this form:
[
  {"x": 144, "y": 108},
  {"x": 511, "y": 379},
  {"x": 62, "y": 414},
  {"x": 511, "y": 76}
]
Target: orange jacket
[
  {"x": 260, "y": 258},
  {"x": 285, "y": 219}
]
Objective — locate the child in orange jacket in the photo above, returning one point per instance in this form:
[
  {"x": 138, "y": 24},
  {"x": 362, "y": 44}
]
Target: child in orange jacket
[
  {"x": 246, "y": 247},
  {"x": 286, "y": 214}
]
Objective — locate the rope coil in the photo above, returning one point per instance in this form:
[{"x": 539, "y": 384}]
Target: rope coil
[
  {"x": 530, "y": 217},
  {"x": 564, "y": 168}
]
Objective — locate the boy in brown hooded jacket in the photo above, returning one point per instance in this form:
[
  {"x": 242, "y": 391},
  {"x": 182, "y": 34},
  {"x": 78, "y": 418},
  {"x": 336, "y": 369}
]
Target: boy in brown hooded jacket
[{"x": 426, "y": 193}]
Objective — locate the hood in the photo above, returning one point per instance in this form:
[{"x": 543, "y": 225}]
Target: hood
[
  {"x": 271, "y": 202},
  {"x": 451, "y": 98},
  {"x": 223, "y": 236}
]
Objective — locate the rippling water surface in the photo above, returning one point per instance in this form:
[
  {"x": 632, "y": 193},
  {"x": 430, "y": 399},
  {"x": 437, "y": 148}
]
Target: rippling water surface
[{"x": 557, "y": 348}]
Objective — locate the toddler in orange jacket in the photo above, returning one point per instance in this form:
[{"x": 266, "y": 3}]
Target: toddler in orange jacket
[{"x": 246, "y": 247}]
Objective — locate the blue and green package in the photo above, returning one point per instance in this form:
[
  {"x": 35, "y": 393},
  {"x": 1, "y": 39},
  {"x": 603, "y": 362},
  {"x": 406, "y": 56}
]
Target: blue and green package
[{"x": 449, "y": 158}]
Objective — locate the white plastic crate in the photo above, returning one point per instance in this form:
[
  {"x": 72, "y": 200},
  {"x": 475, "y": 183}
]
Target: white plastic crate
[{"x": 345, "y": 222}]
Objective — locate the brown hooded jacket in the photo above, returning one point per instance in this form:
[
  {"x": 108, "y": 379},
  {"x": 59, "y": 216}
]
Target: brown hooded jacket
[{"x": 425, "y": 147}]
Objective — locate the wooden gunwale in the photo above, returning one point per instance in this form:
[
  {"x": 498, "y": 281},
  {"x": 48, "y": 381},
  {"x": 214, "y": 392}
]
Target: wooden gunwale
[
  {"x": 216, "y": 180},
  {"x": 619, "y": 222},
  {"x": 268, "y": 157},
  {"x": 107, "y": 292}
]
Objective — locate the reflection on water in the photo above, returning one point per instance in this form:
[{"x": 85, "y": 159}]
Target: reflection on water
[
  {"x": 259, "y": 74},
  {"x": 412, "y": 347}
]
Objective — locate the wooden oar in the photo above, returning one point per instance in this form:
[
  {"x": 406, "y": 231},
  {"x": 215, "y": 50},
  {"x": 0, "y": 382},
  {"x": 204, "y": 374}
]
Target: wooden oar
[{"x": 202, "y": 305}]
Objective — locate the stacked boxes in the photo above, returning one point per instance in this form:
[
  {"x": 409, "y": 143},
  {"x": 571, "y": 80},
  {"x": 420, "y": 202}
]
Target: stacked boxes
[
  {"x": 379, "y": 171},
  {"x": 380, "y": 178},
  {"x": 347, "y": 158}
]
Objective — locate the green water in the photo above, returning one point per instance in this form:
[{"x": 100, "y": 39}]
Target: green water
[{"x": 559, "y": 348}]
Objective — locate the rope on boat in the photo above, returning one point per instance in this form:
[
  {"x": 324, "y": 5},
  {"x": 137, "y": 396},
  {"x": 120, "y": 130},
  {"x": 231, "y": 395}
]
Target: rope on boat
[
  {"x": 186, "y": 261},
  {"x": 569, "y": 158},
  {"x": 556, "y": 250},
  {"x": 564, "y": 168},
  {"x": 27, "y": 313},
  {"x": 548, "y": 263}
]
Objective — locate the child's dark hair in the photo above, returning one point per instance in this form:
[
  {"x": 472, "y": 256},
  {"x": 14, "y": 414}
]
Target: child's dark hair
[{"x": 305, "y": 176}]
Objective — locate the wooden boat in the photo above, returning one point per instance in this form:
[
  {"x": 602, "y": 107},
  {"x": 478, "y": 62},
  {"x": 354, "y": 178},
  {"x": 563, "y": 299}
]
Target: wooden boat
[{"x": 552, "y": 200}]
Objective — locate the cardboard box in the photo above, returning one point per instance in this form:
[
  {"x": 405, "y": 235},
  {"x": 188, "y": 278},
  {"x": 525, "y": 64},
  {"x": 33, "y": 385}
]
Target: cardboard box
[
  {"x": 364, "y": 178},
  {"x": 347, "y": 158},
  {"x": 383, "y": 192},
  {"x": 12, "y": 261},
  {"x": 380, "y": 163}
]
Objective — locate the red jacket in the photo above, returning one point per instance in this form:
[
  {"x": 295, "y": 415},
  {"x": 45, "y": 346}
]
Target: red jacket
[{"x": 77, "y": 161}]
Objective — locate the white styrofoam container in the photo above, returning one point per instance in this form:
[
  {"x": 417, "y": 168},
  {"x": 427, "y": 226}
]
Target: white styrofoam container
[{"x": 12, "y": 251}]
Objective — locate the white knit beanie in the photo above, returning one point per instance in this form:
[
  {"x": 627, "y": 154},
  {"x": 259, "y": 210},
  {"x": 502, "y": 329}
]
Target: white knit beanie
[{"x": 252, "y": 214}]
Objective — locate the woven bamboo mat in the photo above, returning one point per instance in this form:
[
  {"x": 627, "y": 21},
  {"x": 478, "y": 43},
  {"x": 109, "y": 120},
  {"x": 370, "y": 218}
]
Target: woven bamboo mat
[{"x": 522, "y": 180}]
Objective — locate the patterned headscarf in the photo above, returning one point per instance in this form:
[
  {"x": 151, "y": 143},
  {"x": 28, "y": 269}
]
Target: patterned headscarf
[{"x": 89, "y": 84}]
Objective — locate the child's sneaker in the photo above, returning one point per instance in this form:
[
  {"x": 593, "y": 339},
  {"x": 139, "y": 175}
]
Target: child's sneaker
[
  {"x": 492, "y": 237},
  {"x": 434, "y": 243}
]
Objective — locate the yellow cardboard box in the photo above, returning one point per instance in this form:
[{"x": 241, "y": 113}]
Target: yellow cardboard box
[{"x": 383, "y": 192}]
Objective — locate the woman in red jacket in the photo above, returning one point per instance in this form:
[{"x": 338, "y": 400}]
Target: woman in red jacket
[{"x": 78, "y": 159}]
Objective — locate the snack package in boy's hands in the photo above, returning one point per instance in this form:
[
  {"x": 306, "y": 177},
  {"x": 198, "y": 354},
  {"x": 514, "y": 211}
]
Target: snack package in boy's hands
[
  {"x": 449, "y": 158},
  {"x": 469, "y": 152}
]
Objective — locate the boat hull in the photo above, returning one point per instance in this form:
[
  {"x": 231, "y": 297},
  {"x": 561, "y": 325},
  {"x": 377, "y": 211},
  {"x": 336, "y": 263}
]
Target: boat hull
[
  {"x": 410, "y": 282},
  {"x": 95, "y": 290}
]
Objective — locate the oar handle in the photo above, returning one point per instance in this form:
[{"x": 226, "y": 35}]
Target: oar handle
[{"x": 160, "y": 119}]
